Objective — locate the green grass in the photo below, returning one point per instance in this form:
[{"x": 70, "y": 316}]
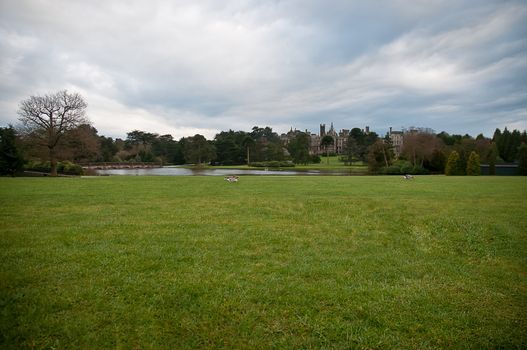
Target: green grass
[
  {"x": 269, "y": 262},
  {"x": 334, "y": 165}
]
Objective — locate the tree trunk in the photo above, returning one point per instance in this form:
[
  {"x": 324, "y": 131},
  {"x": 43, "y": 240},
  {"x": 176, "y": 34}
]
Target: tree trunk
[
  {"x": 384, "y": 154},
  {"x": 53, "y": 161},
  {"x": 248, "y": 157}
]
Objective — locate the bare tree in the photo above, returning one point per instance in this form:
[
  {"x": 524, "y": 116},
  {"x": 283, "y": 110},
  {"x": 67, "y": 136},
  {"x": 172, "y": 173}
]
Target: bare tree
[
  {"x": 48, "y": 117},
  {"x": 419, "y": 147}
]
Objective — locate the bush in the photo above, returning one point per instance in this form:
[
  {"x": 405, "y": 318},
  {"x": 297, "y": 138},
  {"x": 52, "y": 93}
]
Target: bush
[
  {"x": 315, "y": 159},
  {"x": 391, "y": 170},
  {"x": 473, "y": 164},
  {"x": 272, "y": 164},
  {"x": 71, "y": 168},
  {"x": 65, "y": 167},
  {"x": 406, "y": 167},
  {"x": 419, "y": 170},
  {"x": 454, "y": 166},
  {"x": 402, "y": 167}
]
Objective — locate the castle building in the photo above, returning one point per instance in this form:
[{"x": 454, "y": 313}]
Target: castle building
[
  {"x": 340, "y": 139},
  {"x": 397, "y": 139}
]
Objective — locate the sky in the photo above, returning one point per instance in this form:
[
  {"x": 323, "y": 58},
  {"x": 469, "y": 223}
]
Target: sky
[{"x": 187, "y": 67}]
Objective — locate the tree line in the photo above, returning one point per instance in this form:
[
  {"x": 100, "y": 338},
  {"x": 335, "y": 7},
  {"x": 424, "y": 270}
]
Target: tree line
[{"x": 54, "y": 128}]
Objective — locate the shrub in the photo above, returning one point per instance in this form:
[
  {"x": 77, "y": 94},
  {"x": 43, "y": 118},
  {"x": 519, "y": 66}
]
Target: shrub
[
  {"x": 473, "y": 164},
  {"x": 402, "y": 167},
  {"x": 419, "y": 170},
  {"x": 71, "y": 168},
  {"x": 315, "y": 159},
  {"x": 65, "y": 167},
  {"x": 405, "y": 167},
  {"x": 522, "y": 159},
  {"x": 454, "y": 165},
  {"x": 272, "y": 164},
  {"x": 391, "y": 170}
]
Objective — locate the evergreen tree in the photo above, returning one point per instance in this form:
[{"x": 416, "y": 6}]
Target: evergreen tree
[
  {"x": 492, "y": 155},
  {"x": 229, "y": 148},
  {"x": 454, "y": 165},
  {"x": 298, "y": 147},
  {"x": 325, "y": 143},
  {"x": 10, "y": 158},
  {"x": 248, "y": 143},
  {"x": 438, "y": 161},
  {"x": 522, "y": 159},
  {"x": 108, "y": 148},
  {"x": 358, "y": 144},
  {"x": 473, "y": 164},
  {"x": 198, "y": 150}
]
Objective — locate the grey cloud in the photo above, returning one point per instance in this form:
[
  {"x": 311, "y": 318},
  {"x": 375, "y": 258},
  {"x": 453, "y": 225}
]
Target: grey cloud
[{"x": 206, "y": 65}]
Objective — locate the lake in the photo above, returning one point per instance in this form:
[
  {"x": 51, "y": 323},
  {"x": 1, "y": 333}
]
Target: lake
[{"x": 180, "y": 171}]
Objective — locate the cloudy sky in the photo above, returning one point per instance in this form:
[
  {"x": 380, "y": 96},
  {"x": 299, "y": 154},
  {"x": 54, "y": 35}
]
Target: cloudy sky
[{"x": 186, "y": 67}]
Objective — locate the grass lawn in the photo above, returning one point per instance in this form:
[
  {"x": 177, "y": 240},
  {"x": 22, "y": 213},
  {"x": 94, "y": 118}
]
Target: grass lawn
[
  {"x": 269, "y": 262},
  {"x": 334, "y": 165}
]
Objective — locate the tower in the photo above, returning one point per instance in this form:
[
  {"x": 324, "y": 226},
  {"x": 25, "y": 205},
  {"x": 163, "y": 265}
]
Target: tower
[{"x": 322, "y": 130}]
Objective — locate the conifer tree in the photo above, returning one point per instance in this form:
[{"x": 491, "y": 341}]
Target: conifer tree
[
  {"x": 473, "y": 164},
  {"x": 491, "y": 157},
  {"x": 454, "y": 164},
  {"x": 10, "y": 158},
  {"x": 522, "y": 159}
]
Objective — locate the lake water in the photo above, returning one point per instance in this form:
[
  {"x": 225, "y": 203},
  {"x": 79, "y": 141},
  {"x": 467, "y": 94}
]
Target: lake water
[{"x": 179, "y": 171}]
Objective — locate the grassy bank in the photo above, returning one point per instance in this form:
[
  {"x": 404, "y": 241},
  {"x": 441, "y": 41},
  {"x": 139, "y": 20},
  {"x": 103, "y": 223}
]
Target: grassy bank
[
  {"x": 333, "y": 165},
  {"x": 285, "y": 262}
]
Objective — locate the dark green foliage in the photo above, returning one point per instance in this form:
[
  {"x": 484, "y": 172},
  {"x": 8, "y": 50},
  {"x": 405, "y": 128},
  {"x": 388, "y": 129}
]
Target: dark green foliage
[
  {"x": 138, "y": 137},
  {"x": 148, "y": 147},
  {"x": 473, "y": 165},
  {"x": 230, "y": 147},
  {"x": 11, "y": 160},
  {"x": 139, "y": 144},
  {"x": 522, "y": 159},
  {"x": 108, "y": 149},
  {"x": 198, "y": 150},
  {"x": 64, "y": 167},
  {"x": 454, "y": 165},
  {"x": 438, "y": 162},
  {"x": 164, "y": 148},
  {"x": 69, "y": 168},
  {"x": 298, "y": 147},
  {"x": 451, "y": 140},
  {"x": 267, "y": 145},
  {"x": 315, "y": 159},
  {"x": 508, "y": 143},
  {"x": 402, "y": 167},
  {"x": 358, "y": 144},
  {"x": 325, "y": 142},
  {"x": 492, "y": 154},
  {"x": 248, "y": 143}
]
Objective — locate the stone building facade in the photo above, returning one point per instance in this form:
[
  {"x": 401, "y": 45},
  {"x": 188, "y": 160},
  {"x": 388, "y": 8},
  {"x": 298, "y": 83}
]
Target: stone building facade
[
  {"x": 397, "y": 139},
  {"x": 340, "y": 139}
]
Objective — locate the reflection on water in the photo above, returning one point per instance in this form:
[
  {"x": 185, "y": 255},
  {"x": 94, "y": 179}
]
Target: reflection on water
[{"x": 179, "y": 171}]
